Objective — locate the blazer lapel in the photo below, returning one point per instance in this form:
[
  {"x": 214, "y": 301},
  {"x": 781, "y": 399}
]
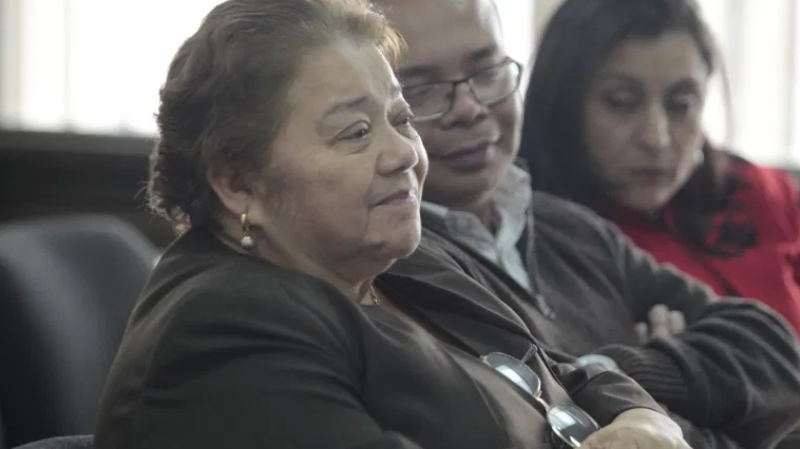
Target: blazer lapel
[{"x": 453, "y": 303}]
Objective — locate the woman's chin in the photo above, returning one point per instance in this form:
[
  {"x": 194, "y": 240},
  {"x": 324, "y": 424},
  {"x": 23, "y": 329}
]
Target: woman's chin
[
  {"x": 646, "y": 202},
  {"x": 397, "y": 244}
]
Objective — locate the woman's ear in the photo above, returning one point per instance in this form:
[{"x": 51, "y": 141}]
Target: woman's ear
[{"x": 232, "y": 192}]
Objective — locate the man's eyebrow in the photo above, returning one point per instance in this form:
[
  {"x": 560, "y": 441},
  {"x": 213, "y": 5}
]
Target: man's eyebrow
[
  {"x": 430, "y": 70},
  {"x": 483, "y": 53},
  {"x": 418, "y": 71}
]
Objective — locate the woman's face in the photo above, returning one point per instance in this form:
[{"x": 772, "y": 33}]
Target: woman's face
[
  {"x": 345, "y": 175},
  {"x": 642, "y": 118}
]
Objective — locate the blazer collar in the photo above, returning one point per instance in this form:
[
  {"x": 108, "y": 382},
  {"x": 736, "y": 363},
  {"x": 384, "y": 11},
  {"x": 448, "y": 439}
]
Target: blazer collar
[{"x": 431, "y": 284}]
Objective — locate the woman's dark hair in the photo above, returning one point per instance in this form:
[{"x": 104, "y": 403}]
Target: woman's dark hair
[
  {"x": 224, "y": 100},
  {"x": 575, "y": 43}
]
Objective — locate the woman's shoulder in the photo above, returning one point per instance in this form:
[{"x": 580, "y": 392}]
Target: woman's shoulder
[
  {"x": 775, "y": 185},
  {"x": 769, "y": 195},
  {"x": 198, "y": 265},
  {"x": 211, "y": 318},
  {"x": 199, "y": 284},
  {"x": 249, "y": 289}
]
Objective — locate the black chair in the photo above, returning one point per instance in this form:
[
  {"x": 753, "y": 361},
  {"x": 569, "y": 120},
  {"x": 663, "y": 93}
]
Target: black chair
[
  {"x": 2, "y": 433},
  {"x": 67, "y": 287},
  {"x": 72, "y": 442}
]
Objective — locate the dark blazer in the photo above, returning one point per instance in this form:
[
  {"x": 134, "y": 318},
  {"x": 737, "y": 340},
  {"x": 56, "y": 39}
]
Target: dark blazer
[
  {"x": 225, "y": 351},
  {"x": 733, "y": 375}
]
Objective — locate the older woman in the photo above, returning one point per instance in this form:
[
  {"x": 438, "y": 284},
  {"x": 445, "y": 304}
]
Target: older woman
[
  {"x": 287, "y": 157},
  {"x": 613, "y": 120}
]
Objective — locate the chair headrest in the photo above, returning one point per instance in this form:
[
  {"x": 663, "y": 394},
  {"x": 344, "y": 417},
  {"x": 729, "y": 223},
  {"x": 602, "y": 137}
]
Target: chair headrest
[
  {"x": 67, "y": 288},
  {"x": 70, "y": 442}
]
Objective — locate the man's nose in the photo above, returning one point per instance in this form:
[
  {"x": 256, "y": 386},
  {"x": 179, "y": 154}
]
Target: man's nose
[{"x": 465, "y": 109}]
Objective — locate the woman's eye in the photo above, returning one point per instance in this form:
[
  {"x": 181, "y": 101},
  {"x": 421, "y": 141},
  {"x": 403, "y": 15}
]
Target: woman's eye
[
  {"x": 681, "y": 103},
  {"x": 361, "y": 133},
  {"x": 357, "y": 133},
  {"x": 620, "y": 101}
]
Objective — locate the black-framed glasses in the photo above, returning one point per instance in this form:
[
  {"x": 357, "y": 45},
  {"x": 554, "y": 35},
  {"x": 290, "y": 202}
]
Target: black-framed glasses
[
  {"x": 431, "y": 101},
  {"x": 570, "y": 424}
]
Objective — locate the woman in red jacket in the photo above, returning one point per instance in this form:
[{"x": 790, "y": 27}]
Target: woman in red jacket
[{"x": 613, "y": 120}]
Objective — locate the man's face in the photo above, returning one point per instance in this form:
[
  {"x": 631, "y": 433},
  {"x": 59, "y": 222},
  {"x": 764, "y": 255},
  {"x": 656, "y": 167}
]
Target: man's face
[{"x": 474, "y": 139}]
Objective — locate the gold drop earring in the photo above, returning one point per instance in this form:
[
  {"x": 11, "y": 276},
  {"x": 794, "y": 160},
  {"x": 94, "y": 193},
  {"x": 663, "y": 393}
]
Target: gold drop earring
[{"x": 247, "y": 241}]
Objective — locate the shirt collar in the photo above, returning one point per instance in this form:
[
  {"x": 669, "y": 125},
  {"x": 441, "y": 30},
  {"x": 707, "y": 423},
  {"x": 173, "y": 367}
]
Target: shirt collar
[{"x": 512, "y": 198}]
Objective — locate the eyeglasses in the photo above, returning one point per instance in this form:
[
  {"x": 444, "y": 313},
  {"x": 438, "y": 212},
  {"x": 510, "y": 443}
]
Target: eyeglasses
[
  {"x": 569, "y": 423},
  {"x": 431, "y": 101}
]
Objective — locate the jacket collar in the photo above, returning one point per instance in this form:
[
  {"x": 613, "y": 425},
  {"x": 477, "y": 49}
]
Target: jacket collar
[{"x": 431, "y": 284}]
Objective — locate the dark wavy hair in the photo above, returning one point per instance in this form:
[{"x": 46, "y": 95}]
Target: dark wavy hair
[
  {"x": 224, "y": 100},
  {"x": 576, "y": 41}
]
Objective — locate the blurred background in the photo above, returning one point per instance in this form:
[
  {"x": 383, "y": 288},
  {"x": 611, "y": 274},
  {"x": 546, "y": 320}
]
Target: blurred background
[
  {"x": 79, "y": 81},
  {"x": 94, "y": 66}
]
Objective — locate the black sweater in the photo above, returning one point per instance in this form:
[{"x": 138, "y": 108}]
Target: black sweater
[{"x": 733, "y": 374}]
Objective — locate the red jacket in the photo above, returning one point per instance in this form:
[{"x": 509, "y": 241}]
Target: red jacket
[{"x": 767, "y": 269}]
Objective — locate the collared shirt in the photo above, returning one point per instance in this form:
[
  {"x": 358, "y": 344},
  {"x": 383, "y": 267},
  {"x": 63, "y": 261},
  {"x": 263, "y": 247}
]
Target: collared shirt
[{"x": 512, "y": 200}]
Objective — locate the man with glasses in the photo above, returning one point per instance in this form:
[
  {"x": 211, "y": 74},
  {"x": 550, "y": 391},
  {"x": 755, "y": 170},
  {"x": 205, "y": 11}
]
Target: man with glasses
[{"x": 731, "y": 378}]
